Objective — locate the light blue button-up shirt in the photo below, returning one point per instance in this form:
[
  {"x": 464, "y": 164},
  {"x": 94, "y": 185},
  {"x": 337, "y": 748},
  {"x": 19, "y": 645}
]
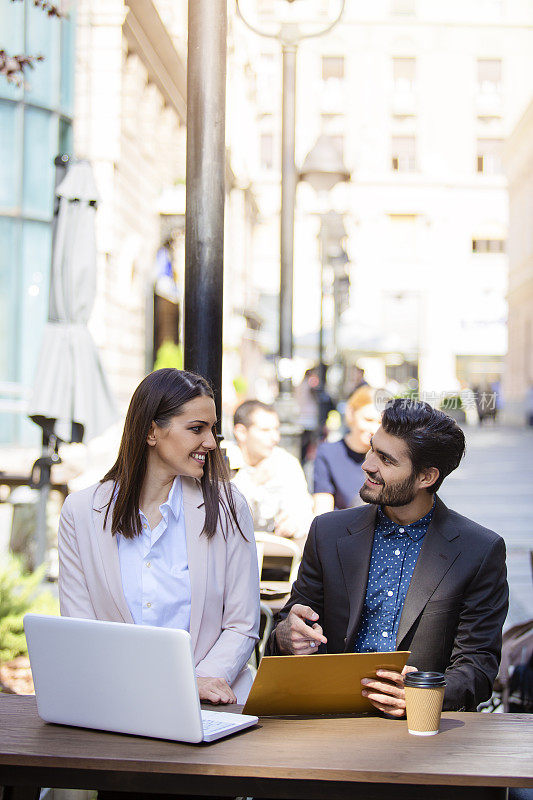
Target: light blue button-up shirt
[{"x": 155, "y": 569}]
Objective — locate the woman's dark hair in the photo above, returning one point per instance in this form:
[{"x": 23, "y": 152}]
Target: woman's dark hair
[
  {"x": 433, "y": 438},
  {"x": 158, "y": 398}
]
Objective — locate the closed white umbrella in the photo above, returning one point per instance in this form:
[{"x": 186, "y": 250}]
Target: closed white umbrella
[
  {"x": 70, "y": 385},
  {"x": 71, "y": 398}
]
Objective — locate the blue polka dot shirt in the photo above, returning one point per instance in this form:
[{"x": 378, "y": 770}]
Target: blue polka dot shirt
[{"x": 394, "y": 554}]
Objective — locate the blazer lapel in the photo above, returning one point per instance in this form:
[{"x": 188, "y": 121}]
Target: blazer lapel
[
  {"x": 107, "y": 544},
  {"x": 354, "y": 553},
  {"x": 197, "y": 551},
  {"x": 437, "y": 555}
]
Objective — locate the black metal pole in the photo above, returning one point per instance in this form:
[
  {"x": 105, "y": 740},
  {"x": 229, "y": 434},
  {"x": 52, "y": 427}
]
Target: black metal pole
[
  {"x": 205, "y": 190},
  {"x": 322, "y": 401},
  {"x": 288, "y": 197}
]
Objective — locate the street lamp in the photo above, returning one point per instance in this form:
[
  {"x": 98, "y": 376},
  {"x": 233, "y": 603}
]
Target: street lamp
[
  {"x": 289, "y": 34},
  {"x": 323, "y": 168},
  {"x": 331, "y": 236}
]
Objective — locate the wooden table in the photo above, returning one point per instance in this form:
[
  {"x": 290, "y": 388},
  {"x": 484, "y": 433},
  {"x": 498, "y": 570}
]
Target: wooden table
[{"x": 319, "y": 757}]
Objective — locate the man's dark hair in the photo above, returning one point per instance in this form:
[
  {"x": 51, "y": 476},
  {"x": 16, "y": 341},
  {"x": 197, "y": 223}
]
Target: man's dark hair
[
  {"x": 243, "y": 413},
  {"x": 433, "y": 438}
]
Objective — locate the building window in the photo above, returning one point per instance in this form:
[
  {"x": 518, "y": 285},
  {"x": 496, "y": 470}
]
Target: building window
[
  {"x": 489, "y": 75},
  {"x": 266, "y": 155},
  {"x": 489, "y": 156},
  {"x": 332, "y": 67},
  {"x": 403, "y": 8},
  {"x": 489, "y": 119},
  {"x": 330, "y": 121},
  {"x": 402, "y": 235},
  {"x": 488, "y": 245},
  {"x": 404, "y": 72},
  {"x": 266, "y": 8},
  {"x": 403, "y": 153}
]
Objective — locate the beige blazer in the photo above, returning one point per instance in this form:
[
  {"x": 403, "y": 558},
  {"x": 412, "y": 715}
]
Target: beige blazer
[{"x": 223, "y": 574}]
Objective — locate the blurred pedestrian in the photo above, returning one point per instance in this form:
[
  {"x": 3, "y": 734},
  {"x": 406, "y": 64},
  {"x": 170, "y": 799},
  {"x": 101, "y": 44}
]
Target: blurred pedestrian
[
  {"x": 314, "y": 404},
  {"x": 137, "y": 546},
  {"x": 271, "y": 479},
  {"x": 338, "y": 475},
  {"x": 358, "y": 379}
]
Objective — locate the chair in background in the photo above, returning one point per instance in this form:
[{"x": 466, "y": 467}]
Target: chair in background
[
  {"x": 275, "y": 592},
  {"x": 265, "y": 629}
]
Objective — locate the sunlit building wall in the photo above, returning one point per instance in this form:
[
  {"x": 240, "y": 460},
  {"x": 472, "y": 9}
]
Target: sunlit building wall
[
  {"x": 130, "y": 124},
  {"x": 419, "y": 98},
  {"x": 519, "y": 363}
]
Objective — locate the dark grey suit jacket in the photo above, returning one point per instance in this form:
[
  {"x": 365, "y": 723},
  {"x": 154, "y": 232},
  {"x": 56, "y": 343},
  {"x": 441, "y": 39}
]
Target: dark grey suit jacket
[{"x": 454, "y": 610}]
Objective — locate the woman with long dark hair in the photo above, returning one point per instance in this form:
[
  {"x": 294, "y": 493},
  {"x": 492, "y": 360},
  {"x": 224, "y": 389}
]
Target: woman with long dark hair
[{"x": 164, "y": 539}]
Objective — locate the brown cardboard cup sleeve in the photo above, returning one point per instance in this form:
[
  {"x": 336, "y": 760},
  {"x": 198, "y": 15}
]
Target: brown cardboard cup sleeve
[{"x": 424, "y": 693}]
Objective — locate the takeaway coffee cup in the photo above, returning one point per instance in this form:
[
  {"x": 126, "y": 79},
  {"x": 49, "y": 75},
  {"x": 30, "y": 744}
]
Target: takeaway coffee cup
[{"x": 424, "y": 693}]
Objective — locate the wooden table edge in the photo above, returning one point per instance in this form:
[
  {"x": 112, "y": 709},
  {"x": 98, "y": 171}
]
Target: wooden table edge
[{"x": 262, "y": 773}]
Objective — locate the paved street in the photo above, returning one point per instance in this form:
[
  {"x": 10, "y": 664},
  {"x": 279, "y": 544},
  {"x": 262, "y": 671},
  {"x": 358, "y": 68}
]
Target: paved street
[{"x": 494, "y": 486}]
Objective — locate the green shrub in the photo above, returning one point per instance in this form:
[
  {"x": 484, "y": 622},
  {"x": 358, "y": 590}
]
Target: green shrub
[{"x": 20, "y": 593}]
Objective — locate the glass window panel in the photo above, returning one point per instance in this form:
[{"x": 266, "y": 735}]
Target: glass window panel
[
  {"x": 65, "y": 137},
  {"x": 36, "y": 253},
  {"x": 10, "y": 154},
  {"x": 12, "y": 27},
  {"x": 332, "y": 67},
  {"x": 489, "y": 156},
  {"x": 68, "y": 39},
  {"x": 403, "y": 153},
  {"x": 404, "y": 72},
  {"x": 489, "y": 75},
  {"x": 403, "y": 233},
  {"x": 9, "y": 272},
  {"x": 403, "y": 7},
  {"x": 40, "y": 149},
  {"x": 267, "y": 151},
  {"x": 34, "y": 293},
  {"x": 42, "y": 38},
  {"x": 8, "y": 297}
]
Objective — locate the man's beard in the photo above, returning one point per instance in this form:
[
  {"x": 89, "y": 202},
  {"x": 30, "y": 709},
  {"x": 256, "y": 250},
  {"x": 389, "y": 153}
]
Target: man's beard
[{"x": 397, "y": 494}]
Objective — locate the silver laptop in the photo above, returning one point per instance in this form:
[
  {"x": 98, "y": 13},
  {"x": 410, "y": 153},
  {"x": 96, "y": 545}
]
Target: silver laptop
[{"x": 117, "y": 677}]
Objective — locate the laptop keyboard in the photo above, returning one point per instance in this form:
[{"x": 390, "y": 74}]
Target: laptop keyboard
[{"x": 215, "y": 721}]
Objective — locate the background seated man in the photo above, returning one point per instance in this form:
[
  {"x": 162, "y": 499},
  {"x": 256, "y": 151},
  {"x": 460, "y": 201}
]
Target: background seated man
[
  {"x": 271, "y": 479},
  {"x": 404, "y": 572}
]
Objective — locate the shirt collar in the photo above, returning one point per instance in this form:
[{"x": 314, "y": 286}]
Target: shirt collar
[
  {"x": 416, "y": 530},
  {"x": 173, "y": 501}
]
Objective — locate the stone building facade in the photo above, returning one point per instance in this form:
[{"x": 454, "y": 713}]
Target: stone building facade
[{"x": 519, "y": 362}]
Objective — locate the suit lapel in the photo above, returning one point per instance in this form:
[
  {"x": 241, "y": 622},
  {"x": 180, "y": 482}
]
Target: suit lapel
[
  {"x": 437, "y": 555},
  {"x": 108, "y": 546},
  {"x": 197, "y": 551},
  {"x": 354, "y": 553}
]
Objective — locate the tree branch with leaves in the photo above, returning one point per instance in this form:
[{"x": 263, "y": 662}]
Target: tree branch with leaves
[{"x": 13, "y": 67}]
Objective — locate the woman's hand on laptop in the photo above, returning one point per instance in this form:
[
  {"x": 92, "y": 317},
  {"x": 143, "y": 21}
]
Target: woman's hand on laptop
[
  {"x": 386, "y": 691},
  {"x": 215, "y": 690},
  {"x": 295, "y": 636}
]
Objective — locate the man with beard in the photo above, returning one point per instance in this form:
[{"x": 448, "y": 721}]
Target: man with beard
[{"x": 404, "y": 572}]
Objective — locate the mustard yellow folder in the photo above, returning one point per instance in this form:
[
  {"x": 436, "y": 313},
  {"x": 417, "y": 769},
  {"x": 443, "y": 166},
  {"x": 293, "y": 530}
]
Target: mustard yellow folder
[{"x": 317, "y": 684}]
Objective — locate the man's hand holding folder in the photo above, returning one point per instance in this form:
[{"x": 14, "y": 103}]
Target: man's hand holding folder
[{"x": 300, "y": 634}]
